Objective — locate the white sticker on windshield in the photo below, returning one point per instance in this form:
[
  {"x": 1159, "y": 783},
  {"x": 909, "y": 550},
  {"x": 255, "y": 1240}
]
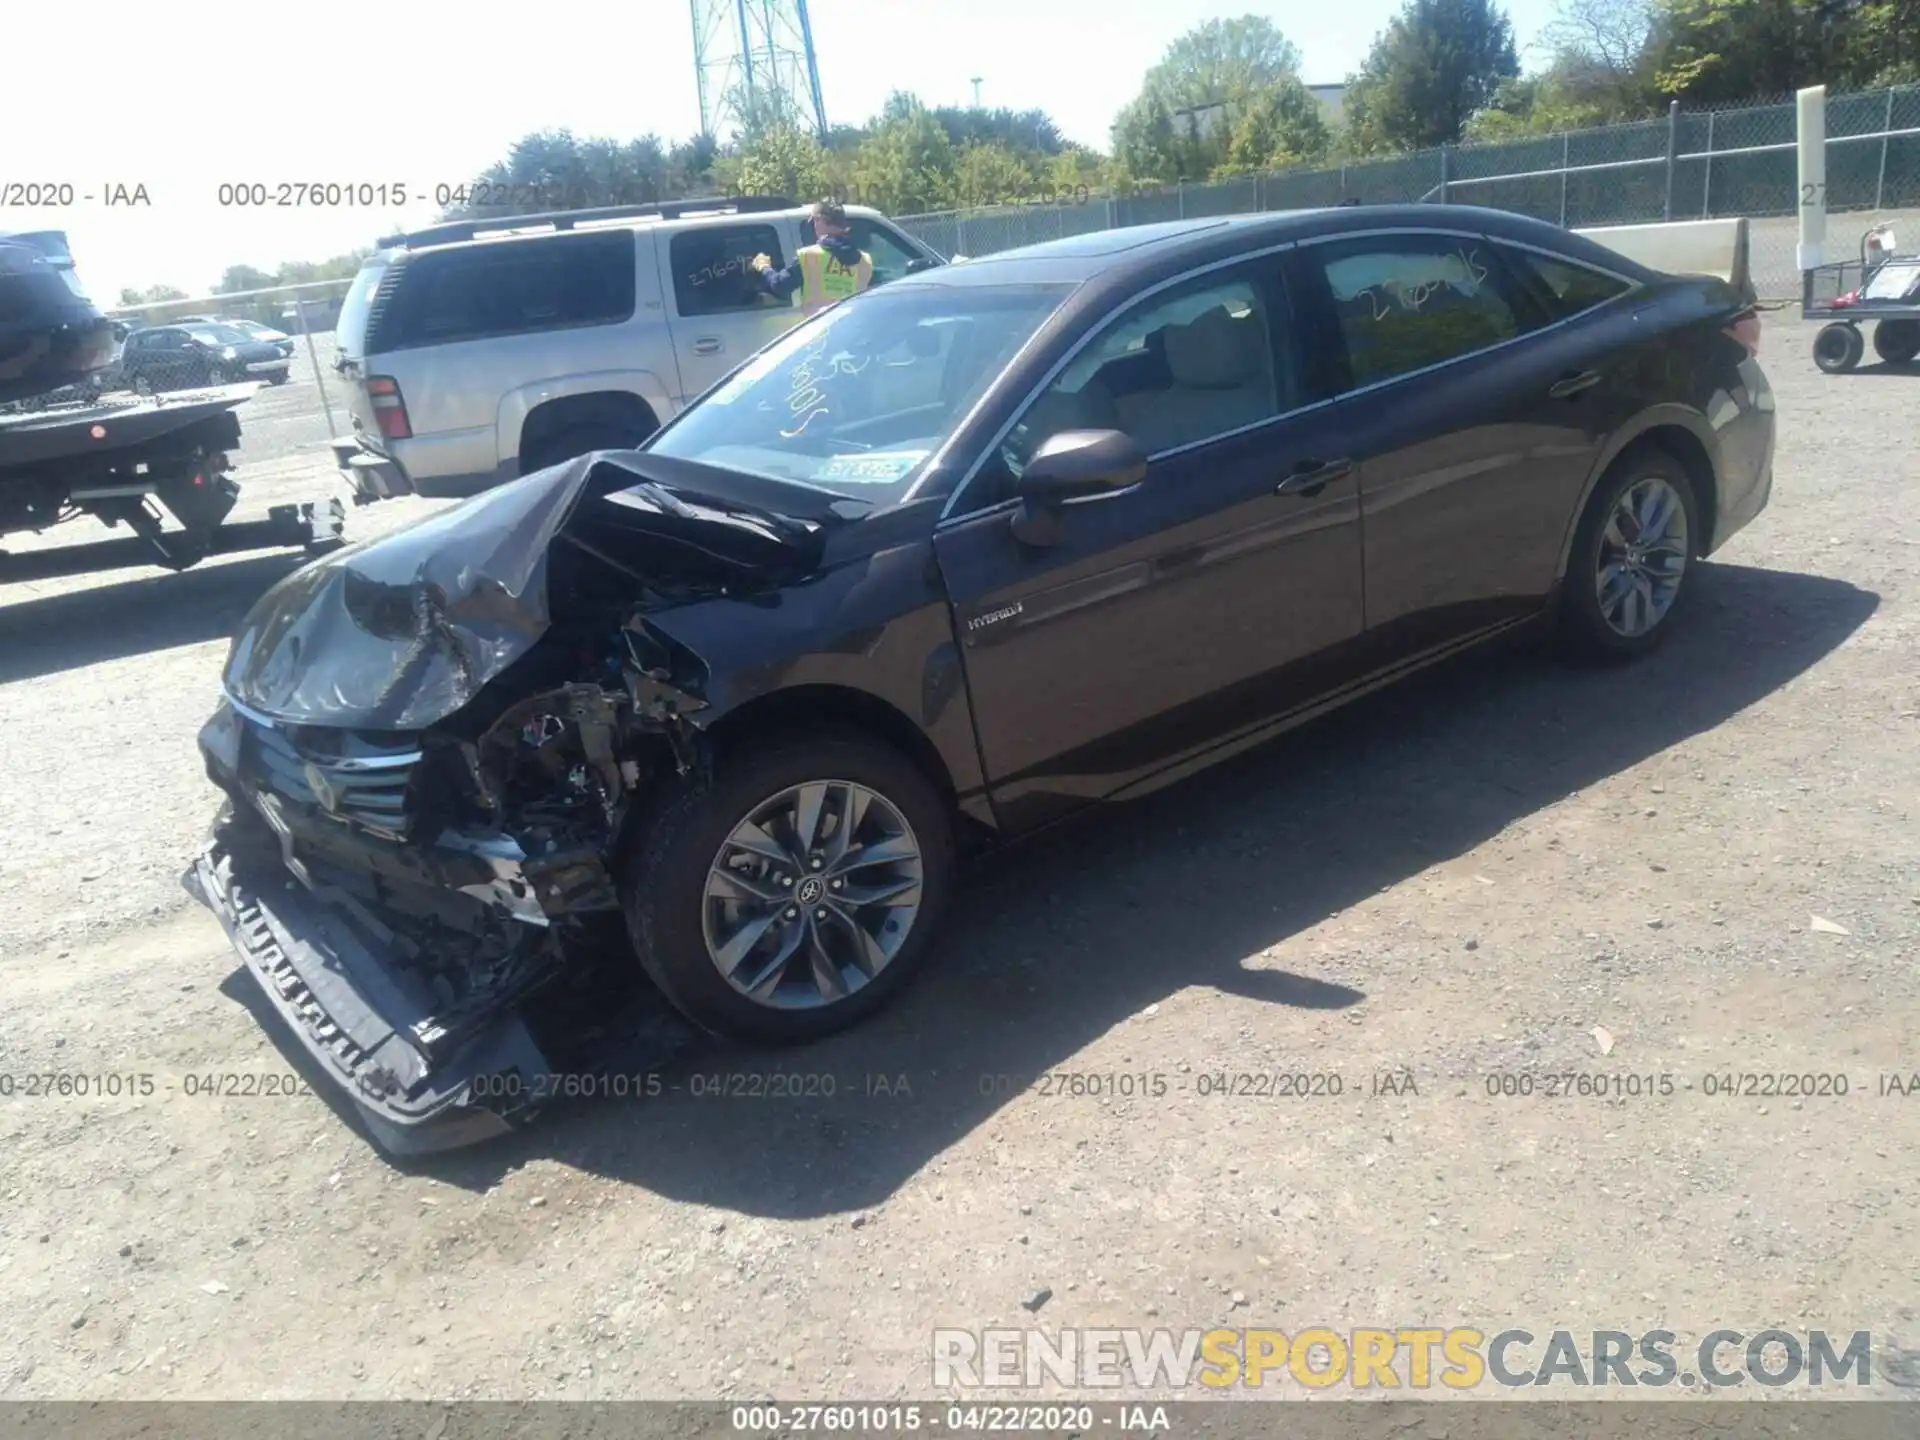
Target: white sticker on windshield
[{"x": 873, "y": 467}]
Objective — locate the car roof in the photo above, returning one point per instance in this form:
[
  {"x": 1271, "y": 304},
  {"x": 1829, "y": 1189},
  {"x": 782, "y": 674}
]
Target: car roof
[
  {"x": 728, "y": 210},
  {"x": 1139, "y": 249}
]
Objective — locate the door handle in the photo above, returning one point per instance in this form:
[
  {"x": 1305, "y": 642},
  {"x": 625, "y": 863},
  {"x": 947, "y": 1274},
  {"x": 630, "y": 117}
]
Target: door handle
[
  {"x": 707, "y": 345},
  {"x": 1310, "y": 477},
  {"x": 1573, "y": 384}
]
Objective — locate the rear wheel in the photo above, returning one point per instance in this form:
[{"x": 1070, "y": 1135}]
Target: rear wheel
[
  {"x": 1838, "y": 347},
  {"x": 1896, "y": 341},
  {"x": 577, "y": 440},
  {"x": 797, "y": 893},
  {"x": 217, "y": 375},
  {"x": 1631, "y": 558}
]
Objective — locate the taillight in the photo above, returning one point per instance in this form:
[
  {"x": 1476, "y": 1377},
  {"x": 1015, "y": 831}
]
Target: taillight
[
  {"x": 389, "y": 410},
  {"x": 1745, "y": 331}
]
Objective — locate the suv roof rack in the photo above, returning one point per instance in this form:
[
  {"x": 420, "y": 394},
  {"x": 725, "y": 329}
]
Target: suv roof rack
[{"x": 567, "y": 219}]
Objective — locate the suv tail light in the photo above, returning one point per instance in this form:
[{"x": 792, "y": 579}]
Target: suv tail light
[
  {"x": 1745, "y": 331},
  {"x": 389, "y": 409}
]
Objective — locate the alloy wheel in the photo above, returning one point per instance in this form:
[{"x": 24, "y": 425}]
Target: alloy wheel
[
  {"x": 1643, "y": 557},
  {"x": 812, "y": 895}
]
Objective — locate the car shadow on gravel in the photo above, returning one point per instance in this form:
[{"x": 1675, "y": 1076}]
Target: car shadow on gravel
[
  {"x": 1052, "y": 944},
  {"x": 52, "y": 633}
]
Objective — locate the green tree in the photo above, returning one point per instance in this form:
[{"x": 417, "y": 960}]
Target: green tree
[
  {"x": 762, "y": 112},
  {"x": 1719, "y": 51},
  {"x": 907, "y": 164},
  {"x": 558, "y": 170},
  {"x": 779, "y": 161},
  {"x": 152, "y": 295},
  {"x": 1600, "y": 57},
  {"x": 986, "y": 173},
  {"x": 1436, "y": 64},
  {"x": 244, "y": 277},
  {"x": 1015, "y": 130},
  {"x": 1282, "y": 126},
  {"x": 1224, "y": 81}
]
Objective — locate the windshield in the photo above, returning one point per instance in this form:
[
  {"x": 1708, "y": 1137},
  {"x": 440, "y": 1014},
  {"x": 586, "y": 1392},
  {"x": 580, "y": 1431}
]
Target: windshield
[
  {"x": 218, "y": 334},
  {"x": 856, "y": 400}
]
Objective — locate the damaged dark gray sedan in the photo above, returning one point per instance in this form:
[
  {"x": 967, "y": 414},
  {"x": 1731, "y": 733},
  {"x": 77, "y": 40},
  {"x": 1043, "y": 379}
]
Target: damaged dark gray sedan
[{"x": 701, "y": 729}]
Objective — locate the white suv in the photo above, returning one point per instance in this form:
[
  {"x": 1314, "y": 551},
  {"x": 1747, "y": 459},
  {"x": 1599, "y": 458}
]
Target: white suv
[{"x": 483, "y": 350}]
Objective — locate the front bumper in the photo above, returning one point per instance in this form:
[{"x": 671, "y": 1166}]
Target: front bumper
[
  {"x": 355, "y": 1015},
  {"x": 433, "y": 982}
]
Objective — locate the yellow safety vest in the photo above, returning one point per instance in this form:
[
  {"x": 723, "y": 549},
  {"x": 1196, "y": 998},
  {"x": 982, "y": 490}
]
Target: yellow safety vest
[{"x": 825, "y": 281}]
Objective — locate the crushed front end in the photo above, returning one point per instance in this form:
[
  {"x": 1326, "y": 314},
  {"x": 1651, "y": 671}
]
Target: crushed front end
[
  {"x": 414, "y": 905},
  {"x": 431, "y": 748}
]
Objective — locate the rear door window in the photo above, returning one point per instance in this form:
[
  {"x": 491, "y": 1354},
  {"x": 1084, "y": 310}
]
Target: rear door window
[
  {"x": 1406, "y": 302},
  {"x": 1566, "y": 287},
  {"x": 510, "y": 287},
  {"x": 713, "y": 270}
]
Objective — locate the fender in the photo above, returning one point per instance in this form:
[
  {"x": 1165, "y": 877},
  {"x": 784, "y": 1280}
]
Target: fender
[
  {"x": 1677, "y": 416},
  {"x": 517, "y": 404}
]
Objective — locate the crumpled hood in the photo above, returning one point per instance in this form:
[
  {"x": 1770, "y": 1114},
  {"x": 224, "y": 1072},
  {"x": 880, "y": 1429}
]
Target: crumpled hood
[{"x": 401, "y": 632}]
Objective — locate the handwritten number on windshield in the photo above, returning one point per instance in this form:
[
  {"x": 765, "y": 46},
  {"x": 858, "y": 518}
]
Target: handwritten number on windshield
[{"x": 805, "y": 397}]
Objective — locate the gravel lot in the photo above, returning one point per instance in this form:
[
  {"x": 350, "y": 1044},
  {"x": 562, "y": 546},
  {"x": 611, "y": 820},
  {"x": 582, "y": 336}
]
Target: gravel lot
[{"x": 1460, "y": 879}]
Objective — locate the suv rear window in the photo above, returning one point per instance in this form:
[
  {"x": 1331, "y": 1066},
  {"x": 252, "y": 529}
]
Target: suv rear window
[
  {"x": 713, "y": 268},
  {"x": 350, "y": 330},
  {"x": 509, "y": 287}
]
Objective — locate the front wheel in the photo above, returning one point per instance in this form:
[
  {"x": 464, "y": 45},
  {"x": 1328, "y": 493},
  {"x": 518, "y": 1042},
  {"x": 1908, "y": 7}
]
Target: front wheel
[
  {"x": 1896, "y": 341},
  {"x": 1631, "y": 559},
  {"x": 794, "y": 895},
  {"x": 1838, "y": 347}
]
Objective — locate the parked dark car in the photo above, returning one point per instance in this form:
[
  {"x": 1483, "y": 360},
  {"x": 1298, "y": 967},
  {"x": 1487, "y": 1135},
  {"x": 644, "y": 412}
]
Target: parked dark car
[
  {"x": 186, "y": 356},
  {"x": 52, "y": 338},
  {"x": 948, "y": 563},
  {"x": 254, "y": 330}
]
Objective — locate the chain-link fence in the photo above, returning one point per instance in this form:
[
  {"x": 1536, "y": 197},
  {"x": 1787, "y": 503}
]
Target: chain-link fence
[
  {"x": 1689, "y": 165},
  {"x": 280, "y": 338}
]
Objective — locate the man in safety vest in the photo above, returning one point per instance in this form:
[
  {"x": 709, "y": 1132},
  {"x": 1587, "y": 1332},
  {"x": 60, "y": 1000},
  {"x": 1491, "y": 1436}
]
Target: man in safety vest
[{"x": 826, "y": 272}]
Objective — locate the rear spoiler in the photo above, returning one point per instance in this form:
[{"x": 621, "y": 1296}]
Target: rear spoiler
[{"x": 1720, "y": 248}]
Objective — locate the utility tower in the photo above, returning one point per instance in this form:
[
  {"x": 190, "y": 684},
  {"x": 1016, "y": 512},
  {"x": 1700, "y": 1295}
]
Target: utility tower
[{"x": 750, "y": 54}]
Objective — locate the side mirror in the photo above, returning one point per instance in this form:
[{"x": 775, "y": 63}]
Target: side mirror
[
  {"x": 915, "y": 266},
  {"x": 1074, "y": 465}
]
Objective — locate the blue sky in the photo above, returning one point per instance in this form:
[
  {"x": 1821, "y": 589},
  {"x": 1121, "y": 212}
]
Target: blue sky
[{"x": 420, "y": 93}]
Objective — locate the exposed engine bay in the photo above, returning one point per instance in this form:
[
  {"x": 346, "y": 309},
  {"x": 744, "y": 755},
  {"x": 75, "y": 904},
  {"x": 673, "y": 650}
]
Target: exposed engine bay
[{"x": 433, "y": 746}]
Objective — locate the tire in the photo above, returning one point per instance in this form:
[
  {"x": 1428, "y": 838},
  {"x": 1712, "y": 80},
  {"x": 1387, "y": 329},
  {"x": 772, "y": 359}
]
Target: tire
[
  {"x": 1838, "y": 348},
  {"x": 574, "y": 442},
  {"x": 672, "y": 902},
  {"x": 279, "y": 379},
  {"x": 1593, "y": 630},
  {"x": 140, "y": 385},
  {"x": 1896, "y": 341},
  {"x": 216, "y": 375}
]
